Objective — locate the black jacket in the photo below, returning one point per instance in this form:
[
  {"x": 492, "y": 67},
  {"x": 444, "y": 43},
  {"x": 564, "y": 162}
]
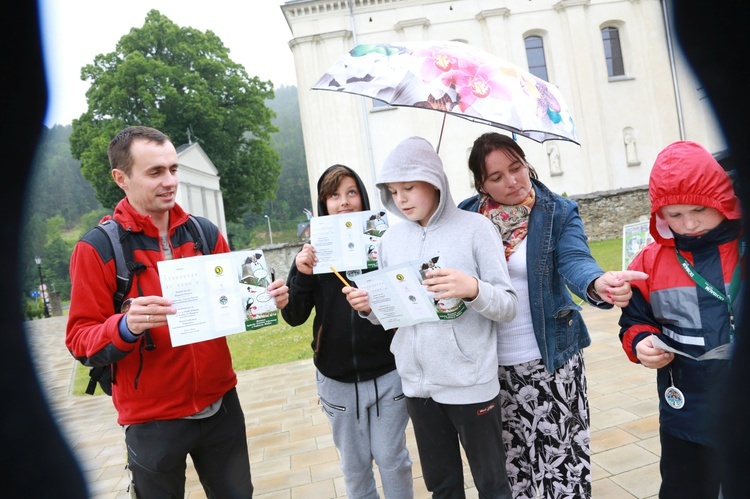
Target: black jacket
[{"x": 346, "y": 347}]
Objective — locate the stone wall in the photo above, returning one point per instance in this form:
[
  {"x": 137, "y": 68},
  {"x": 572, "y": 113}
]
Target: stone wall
[{"x": 605, "y": 212}]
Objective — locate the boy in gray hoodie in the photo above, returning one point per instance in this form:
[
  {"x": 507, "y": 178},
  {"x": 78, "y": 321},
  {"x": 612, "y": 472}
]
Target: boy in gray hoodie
[{"x": 448, "y": 368}]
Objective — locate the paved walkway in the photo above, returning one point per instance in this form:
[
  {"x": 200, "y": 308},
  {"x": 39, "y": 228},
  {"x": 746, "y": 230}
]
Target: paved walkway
[{"x": 291, "y": 450}]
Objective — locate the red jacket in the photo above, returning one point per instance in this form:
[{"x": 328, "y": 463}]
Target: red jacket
[
  {"x": 671, "y": 304},
  {"x": 159, "y": 384}
]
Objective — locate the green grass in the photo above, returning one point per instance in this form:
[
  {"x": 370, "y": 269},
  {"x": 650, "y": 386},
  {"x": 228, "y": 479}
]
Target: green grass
[
  {"x": 283, "y": 343},
  {"x": 271, "y": 345},
  {"x": 608, "y": 253}
]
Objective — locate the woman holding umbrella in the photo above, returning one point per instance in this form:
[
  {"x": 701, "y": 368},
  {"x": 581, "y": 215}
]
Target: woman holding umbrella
[{"x": 540, "y": 353}]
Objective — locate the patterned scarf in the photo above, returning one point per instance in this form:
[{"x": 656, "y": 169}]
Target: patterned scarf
[{"x": 511, "y": 221}]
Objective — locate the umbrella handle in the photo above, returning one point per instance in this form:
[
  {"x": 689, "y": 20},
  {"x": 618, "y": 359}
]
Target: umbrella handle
[{"x": 441, "y": 133}]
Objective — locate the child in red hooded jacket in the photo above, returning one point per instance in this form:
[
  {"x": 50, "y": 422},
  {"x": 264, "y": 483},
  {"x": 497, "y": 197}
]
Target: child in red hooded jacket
[{"x": 685, "y": 309}]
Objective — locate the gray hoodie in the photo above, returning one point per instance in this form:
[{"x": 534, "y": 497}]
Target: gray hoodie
[{"x": 451, "y": 361}]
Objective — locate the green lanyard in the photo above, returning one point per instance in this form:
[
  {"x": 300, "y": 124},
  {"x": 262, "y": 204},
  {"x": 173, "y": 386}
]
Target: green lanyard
[{"x": 711, "y": 289}]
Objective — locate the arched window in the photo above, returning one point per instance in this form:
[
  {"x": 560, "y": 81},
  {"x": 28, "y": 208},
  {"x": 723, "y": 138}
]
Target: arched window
[
  {"x": 535, "y": 57},
  {"x": 613, "y": 52}
]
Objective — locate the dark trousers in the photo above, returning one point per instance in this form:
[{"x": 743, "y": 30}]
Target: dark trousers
[
  {"x": 688, "y": 469},
  {"x": 157, "y": 454},
  {"x": 440, "y": 430}
]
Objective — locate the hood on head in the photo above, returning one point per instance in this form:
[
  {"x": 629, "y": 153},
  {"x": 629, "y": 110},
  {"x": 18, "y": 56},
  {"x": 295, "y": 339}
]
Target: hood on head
[
  {"x": 323, "y": 208},
  {"x": 414, "y": 159},
  {"x": 686, "y": 173}
]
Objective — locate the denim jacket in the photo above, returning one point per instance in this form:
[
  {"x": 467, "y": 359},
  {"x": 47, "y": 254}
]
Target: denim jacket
[{"x": 558, "y": 259}]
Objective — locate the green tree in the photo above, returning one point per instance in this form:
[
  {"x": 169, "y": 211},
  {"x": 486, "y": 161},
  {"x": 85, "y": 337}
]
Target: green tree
[
  {"x": 55, "y": 227},
  {"x": 57, "y": 187},
  {"x": 181, "y": 81},
  {"x": 56, "y": 265},
  {"x": 91, "y": 219}
]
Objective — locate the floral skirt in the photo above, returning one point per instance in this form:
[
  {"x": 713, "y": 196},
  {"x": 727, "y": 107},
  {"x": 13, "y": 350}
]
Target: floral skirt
[{"x": 546, "y": 429}]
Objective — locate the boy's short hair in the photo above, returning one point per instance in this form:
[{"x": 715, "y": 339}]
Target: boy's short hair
[
  {"x": 119, "y": 147},
  {"x": 331, "y": 180}
]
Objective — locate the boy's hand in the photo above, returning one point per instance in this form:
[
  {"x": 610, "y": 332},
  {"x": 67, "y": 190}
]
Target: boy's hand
[
  {"x": 358, "y": 299},
  {"x": 651, "y": 357},
  {"x": 451, "y": 283},
  {"x": 279, "y": 292},
  {"x": 614, "y": 286},
  {"x": 306, "y": 259}
]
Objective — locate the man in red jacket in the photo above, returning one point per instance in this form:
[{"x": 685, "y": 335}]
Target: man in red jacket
[{"x": 171, "y": 401}]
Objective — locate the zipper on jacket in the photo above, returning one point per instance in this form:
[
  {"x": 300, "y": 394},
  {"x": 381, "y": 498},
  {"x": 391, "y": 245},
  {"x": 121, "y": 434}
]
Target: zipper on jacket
[
  {"x": 421, "y": 243},
  {"x": 141, "y": 348},
  {"x": 317, "y": 340},
  {"x": 353, "y": 316}
]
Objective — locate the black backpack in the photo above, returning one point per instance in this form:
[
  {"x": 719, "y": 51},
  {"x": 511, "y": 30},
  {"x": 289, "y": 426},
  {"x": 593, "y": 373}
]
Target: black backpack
[{"x": 127, "y": 266}]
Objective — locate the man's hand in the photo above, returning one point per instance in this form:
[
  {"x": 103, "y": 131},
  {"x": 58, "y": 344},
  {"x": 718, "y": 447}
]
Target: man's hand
[{"x": 146, "y": 312}]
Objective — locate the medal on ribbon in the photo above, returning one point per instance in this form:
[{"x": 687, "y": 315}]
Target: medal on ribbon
[{"x": 673, "y": 396}]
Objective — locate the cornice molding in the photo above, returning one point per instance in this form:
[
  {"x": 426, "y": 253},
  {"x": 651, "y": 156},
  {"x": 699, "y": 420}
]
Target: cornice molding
[
  {"x": 342, "y": 33},
  {"x": 501, "y": 12},
  {"x": 410, "y": 23},
  {"x": 564, "y": 4}
]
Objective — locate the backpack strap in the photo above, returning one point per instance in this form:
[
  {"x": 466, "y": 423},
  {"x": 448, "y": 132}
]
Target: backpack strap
[
  {"x": 116, "y": 235},
  {"x": 198, "y": 235},
  {"x": 103, "y": 375}
]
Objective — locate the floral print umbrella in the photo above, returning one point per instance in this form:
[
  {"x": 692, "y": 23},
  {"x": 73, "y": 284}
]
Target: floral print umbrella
[{"x": 457, "y": 79}]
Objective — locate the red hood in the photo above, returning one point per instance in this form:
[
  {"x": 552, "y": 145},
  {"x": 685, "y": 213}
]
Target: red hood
[{"x": 686, "y": 173}]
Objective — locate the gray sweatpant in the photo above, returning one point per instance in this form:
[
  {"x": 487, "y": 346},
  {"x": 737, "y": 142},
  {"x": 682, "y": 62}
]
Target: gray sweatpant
[{"x": 368, "y": 420}]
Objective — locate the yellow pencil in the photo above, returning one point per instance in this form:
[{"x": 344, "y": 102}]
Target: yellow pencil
[{"x": 339, "y": 276}]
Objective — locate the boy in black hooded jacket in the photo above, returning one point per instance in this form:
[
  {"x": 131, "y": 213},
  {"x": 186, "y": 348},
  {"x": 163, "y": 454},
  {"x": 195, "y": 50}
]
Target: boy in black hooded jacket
[{"x": 358, "y": 385}]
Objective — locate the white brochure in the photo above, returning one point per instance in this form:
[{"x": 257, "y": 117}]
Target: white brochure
[
  {"x": 347, "y": 241},
  {"x": 217, "y": 295},
  {"x": 722, "y": 352},
  {"x": 397, "y": 297}
]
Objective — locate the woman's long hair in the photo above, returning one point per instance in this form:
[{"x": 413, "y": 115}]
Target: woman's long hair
[{"x": 485, "y": 144}]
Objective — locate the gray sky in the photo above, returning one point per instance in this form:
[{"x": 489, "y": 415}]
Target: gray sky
[{"x": 75, "y": 31}]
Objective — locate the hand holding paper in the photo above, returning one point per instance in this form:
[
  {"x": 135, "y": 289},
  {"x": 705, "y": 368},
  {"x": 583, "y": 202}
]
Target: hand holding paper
[
  {"x": 358, "y": 299},
  {"x": 279, "y": 291},
  {"x": 306, "y": 259},
  {"x": 652, "y": 356},
  {"x": 451, "y": 283}
]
